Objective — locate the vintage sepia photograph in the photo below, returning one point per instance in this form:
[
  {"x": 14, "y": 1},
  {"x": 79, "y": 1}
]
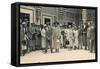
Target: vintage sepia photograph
[{"x": 57, "y": 34}]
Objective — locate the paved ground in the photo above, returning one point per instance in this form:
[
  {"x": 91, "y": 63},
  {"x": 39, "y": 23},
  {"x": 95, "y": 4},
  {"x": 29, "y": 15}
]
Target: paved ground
[{"x": 64, "y": 55}]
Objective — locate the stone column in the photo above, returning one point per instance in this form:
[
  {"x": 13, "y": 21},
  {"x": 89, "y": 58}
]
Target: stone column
[{"x": 84, "y": 15}]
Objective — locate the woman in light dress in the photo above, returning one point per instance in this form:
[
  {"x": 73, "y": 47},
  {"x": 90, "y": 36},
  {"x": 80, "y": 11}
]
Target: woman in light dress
[
  {"x": 70, "y": 36},
  {"x": 76, "y": 35}
]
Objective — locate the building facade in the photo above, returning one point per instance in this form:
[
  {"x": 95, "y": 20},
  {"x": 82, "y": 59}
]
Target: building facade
[{"x": 40, "y": 15}]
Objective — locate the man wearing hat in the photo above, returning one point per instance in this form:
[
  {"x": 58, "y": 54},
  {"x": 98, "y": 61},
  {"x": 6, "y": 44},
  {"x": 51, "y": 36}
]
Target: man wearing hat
[
  {"x": 25, "y": 32},
  {"x": 32, "y": 37},
  {"x": 91, "y": 37},
  {"x": 48, "y": 37},
  {"x": 84, "y": 36},
  {"x": 56, "y": 35}
]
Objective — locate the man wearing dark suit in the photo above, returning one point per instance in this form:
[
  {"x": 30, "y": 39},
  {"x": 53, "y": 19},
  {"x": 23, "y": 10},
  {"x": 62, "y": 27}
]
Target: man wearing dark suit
[
  {"x": 80, "y": 38},
  {"x": 91, "y": 37},
  {"x": 56, "y": 35},
  {"x": 22, "y": 35},
  {"x": 84, "y": 34},
  {"x": 32, "y": 37},
  {"x": 48, "y": 38}
]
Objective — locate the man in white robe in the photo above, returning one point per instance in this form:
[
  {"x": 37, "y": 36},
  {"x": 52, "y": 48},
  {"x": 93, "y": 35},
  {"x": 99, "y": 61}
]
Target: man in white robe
[{"x": 43, "y": 37}]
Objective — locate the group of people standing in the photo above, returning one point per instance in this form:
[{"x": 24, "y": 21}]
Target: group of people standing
[
  {"x": 29, "y": 37},
  {"x": 87, "y": 36},
  {"x": 70, "y": 37},
  {"x": 50, "y": 37},
  {"x": 54, "y": 37}
]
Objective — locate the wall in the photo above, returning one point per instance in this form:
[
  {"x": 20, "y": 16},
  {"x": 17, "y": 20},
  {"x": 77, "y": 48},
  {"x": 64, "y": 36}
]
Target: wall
[{"x": 29, "y": 10}]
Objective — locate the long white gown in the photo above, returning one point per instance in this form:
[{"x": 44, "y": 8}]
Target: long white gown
[
  {"x": 76, "y": 42},
  {"x": 43, "y": 36},
  {"x": 70, "y": 37}
]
